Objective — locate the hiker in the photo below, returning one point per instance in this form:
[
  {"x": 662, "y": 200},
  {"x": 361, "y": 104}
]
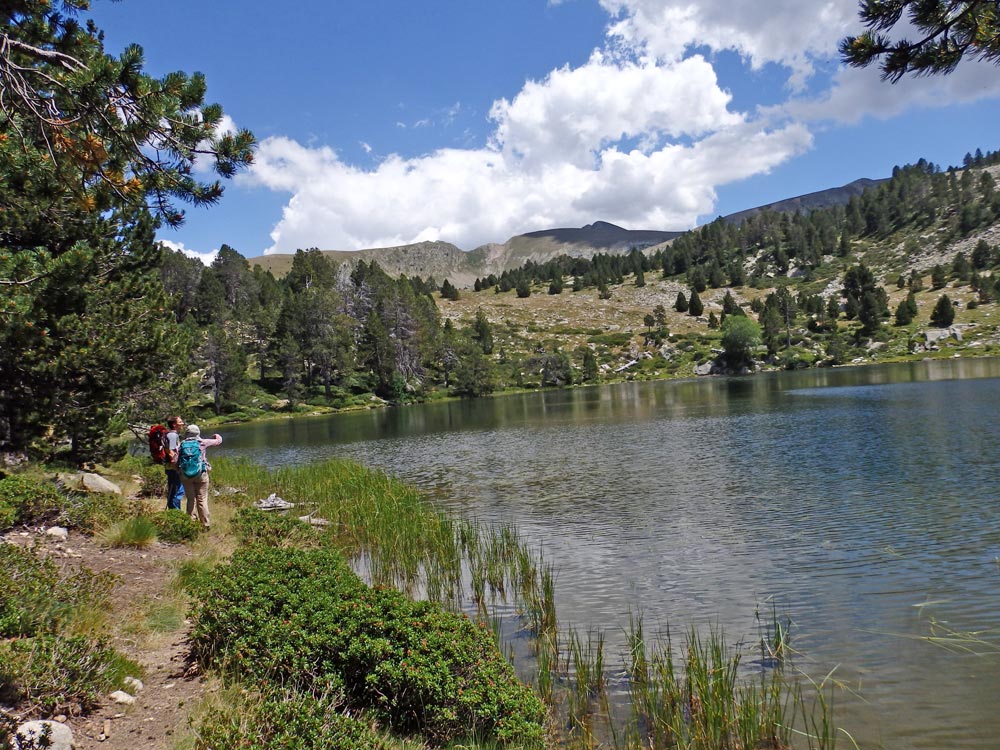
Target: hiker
[
  {"x": 175, "y": 490},
  {"x": 193, "y": 468}
]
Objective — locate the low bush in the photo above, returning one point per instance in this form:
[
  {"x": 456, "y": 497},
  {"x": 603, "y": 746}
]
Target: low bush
[
  {"x": 36, "y": 597},
  {"x": 304, "y": 620},
  {"x": 89, "y": 512},
  {"x": 153, "y": 479},
  {"x": 271, "y": 529},
  {"x": 34, "y": 501},
  {"x": 49, "y": 674},
  {"x": 285, "y": 720},
  {"x": 175, "y": 526},
  {"x": 26, "y": 500}
]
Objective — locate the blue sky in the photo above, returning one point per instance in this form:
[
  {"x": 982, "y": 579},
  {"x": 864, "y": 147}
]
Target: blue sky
[{"x": 384, "y": 122}]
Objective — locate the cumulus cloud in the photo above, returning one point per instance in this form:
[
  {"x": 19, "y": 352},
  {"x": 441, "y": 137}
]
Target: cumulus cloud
[
  {"x": 642, "y": 134},
  {"x": 204, "y": 257},
  {"x": 788, "y": 32}
]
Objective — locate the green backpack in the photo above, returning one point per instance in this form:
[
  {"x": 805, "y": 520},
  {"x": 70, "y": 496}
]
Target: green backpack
[{"x": 189, "y": 459}]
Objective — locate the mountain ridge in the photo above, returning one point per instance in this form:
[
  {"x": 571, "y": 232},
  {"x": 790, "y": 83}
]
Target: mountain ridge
[{"x": 444, "y": 260}]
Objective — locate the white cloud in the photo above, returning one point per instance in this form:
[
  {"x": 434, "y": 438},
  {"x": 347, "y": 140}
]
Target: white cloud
[
  {"x": 470, "y": 197},
  {"x": 574, "y": 112},
  {"x": 206, "y": 257},
  {"x": 642, "y": 134},
  {"x": 859, "y": 93},
  {"x": 789, "y": 32}
]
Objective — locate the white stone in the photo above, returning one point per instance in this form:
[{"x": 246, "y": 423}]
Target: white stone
[
  {"x": 58, "y": 533},
  {"x": 97, "y": 483},
  {"x": 134, "y": 684},
  {"x": 120, "y": 696},
  {"x": 60, "y": 735}
]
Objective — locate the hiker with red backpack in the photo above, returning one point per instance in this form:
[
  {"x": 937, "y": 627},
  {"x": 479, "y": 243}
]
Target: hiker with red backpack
[
  {"x": 175, "y": 490},
  {"x": 163, "y": 445},
  {"x": 193, "y": 468}
]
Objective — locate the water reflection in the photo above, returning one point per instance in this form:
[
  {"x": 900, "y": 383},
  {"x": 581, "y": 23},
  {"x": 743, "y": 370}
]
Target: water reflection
[{"x": 861, "y": 500}]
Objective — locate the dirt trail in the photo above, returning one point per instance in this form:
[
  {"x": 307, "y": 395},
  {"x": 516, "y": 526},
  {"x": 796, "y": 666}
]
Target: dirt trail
[{"x": 161, "y": 709}]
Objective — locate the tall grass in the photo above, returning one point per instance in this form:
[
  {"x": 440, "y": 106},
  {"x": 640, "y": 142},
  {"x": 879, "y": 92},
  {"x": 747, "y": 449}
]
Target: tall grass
[{"x": 701, "y": 696}]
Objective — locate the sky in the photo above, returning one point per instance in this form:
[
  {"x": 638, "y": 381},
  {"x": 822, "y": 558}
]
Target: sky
[{"x": 384, "y": 122}]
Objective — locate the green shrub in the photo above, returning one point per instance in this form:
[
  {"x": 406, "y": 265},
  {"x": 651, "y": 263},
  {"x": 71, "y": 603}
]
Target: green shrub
[
  {"x": 89, "y": 512},
  {"x": 154, "y": 479},
  {"x": 175, "y": 526},
  {"x": 36, "y": 597},
  {"x": 285, "y": 720},
  {"x": 304, "y": 620},
  {"x": 49, "y": 674},
  {"x": 272, "y": 529},
  {"x": 33, "y": 501},
  {"x": 24, "y": 500}
]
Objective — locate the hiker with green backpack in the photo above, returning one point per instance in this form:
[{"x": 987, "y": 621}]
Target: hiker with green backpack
[{"x": 193, "y": 468}]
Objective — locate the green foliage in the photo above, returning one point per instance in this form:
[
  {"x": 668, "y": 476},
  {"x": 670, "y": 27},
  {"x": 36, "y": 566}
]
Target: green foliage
[
  {"x": 740, "y": 336},
  {"x": 271, "y": 529},
  {"x": 286, "y": 720},
  {"x": 37, "y": 597},
  {"x": 943, "y": 314},
  {"x": 175, "y": 526},
  {"x": 695, "y": 306},
  {"x": 906, "y": 311},
  {"x": 610, "y": 339},
  {"x": 50, "y": 674},
  {"x": 946, "y": 31},
  {"x": 24, "y": 500},
  {"x": 303, "y": 619},
  {"x": 153, "y": 479},
  {"x": 32, "y": 501},
  {"x": 85, "y": 330}
]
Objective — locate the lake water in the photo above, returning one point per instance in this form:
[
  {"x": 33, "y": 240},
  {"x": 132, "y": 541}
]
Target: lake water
[{"x": 862, "y": 502}]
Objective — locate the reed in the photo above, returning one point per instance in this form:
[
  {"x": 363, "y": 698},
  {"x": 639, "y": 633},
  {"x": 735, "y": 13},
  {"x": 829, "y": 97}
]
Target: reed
[{"x": 702, "y": 696}]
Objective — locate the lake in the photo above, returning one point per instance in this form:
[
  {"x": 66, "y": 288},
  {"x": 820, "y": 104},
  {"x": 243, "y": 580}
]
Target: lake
[{"x": 859, "y": 502}]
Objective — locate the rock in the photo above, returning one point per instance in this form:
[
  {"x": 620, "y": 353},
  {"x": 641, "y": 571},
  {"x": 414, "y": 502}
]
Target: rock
[
  {"x": 58, "y": 533},
  {"x": 13, "y": 459},
  {"x": 273, "y": 502},
  {"x": 705, "y": 368},
  {"x": 281, "y": 403},
  {"x": 60, "y": 736},
  {"x": 134, "y": 684},
  {"x": 98, "y": 484},
  {"x": 314, "y": 521},
  {"x": 120, "y": 696}
]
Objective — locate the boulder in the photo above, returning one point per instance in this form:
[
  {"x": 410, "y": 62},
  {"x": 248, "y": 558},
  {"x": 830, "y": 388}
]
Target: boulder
[
  {"x": 60, "y": 736},
  {"x": 98, "y": 484},
  {"x": 705, "y": 368}
]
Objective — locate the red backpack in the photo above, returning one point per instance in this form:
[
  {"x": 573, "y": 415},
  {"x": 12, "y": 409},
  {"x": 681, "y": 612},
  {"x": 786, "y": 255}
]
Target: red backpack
[{"x": 158, "y": 446}]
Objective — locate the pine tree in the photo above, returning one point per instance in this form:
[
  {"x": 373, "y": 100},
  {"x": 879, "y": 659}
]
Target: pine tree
[
  {"x": 87, "y": 327},
  {"x": 943, "y": 314},
  {"x": 695, "y": 306},
  {"x": 946, "y": 30}
]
